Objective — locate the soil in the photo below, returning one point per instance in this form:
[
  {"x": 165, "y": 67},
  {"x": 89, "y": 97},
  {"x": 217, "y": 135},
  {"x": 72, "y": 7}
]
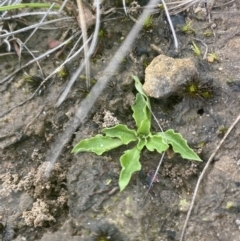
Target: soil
[{"x": 79, "y": 199}]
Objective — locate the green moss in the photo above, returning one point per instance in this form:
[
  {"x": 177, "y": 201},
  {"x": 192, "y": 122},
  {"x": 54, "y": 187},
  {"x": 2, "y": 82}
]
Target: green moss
[
  {"x": 102, "y": 34},
  {"x": 208, "y": 33},
  {"x": 148, "y": 23},
  {"x": 212, "y": 57},
  {"x": 222, "y": 130},
  {"x": 196, "y": 89},
  {"x": 195, "y": 49},
  {"x": 62, "y": 73},
  {"x": 34, "y": 82},
  {"x": 187, "y": 28},
  {"x": 184, "y": 205},
  {"x": 230, "y": 205}
]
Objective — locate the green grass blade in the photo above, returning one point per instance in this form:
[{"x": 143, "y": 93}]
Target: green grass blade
[{"x": 28, "y": 5}]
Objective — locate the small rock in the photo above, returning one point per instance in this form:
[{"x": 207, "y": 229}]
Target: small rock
[
  {"x": 53, "y": 43},
  {"x": 165, "y": 75}
]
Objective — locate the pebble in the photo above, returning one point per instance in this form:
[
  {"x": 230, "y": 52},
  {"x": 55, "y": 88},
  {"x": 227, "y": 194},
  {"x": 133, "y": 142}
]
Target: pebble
[{"x": 164, "y": 76}]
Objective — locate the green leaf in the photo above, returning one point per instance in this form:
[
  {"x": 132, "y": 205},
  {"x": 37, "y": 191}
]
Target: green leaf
[
  {"x": 141, "y": 143},
  {"x": 144, "y": 128},
  {"x": 141, "y": 115},
  {"x": 122, "y": 132},
  {"x": 97, "y": 144},
  {"x": 179, "y": 145},
  {"x": 130, "y": 164},
  {"x": 156, "y": 142},
  {"x": 138, "y": 86},
  {"x": 141, "y": 109}
]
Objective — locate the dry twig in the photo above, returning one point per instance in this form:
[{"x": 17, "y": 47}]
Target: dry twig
[
  {"x": 82, "y": 24},
  {"x": 90, "y": 52}
]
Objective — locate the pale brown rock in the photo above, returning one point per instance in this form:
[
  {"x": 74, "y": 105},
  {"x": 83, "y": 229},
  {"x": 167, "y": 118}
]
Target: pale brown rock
[{"x": 165, "y": 75}]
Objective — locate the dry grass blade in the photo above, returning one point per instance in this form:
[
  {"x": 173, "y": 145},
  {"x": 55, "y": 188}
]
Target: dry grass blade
[
  {"x": 37, "y": 26},
  {"x": 90, "y": 52},
  {"x": 34, "y": 26},
  {"x": 179, "y": 6},
  {"x": 82, "y": 24},
  {"x": 74, "y": 47},
  {"x": 21, "y": 44},
  {"x": 63, "y": 5},
  {"x": 38, "y": 58},
  {"x": 44, "y": 81},
  {"x": 45, "y": 15},
  {"x": 124, "y": 6},
  {"x": 96, "y": 31},
  {"x": 171, "y": 25}
]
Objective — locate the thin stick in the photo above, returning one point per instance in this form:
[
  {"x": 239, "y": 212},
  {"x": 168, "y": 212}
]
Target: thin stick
[
  {"x": 21, "y": 44},
  {"x": 12, "y": 53},
  {"x": 161, "y": 160},
  {"x": 37, "y": 58},
  {"x": 62, "y": 6},
  {"x": 181, "y": 6},
  {"x": 124, "y": 6},
  {"x": 35, "y": 25},
  {"x": 43, "y": 82},
  {"x": 202, "y": 174},
  {"x": 96, "y": 30},
  {"x": 20, "y": 15},
  {"x": 4, "y": 2},
  {"x": 82, "y": 23},
  {"x": 30, "y": 123},
  {"x": 74, "y": 77},
  {"x": 32, "y": 33},
  {"x": 171, "y": 25},
  {"x": 91, "y": 50},
  {"x": 154, "y": 176},
  {"x": 74, "y": 47}
]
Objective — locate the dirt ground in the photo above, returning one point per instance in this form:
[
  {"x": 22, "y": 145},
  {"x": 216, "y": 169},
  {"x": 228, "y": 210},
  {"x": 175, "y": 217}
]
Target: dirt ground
[{"x": 80, "y": 196}]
